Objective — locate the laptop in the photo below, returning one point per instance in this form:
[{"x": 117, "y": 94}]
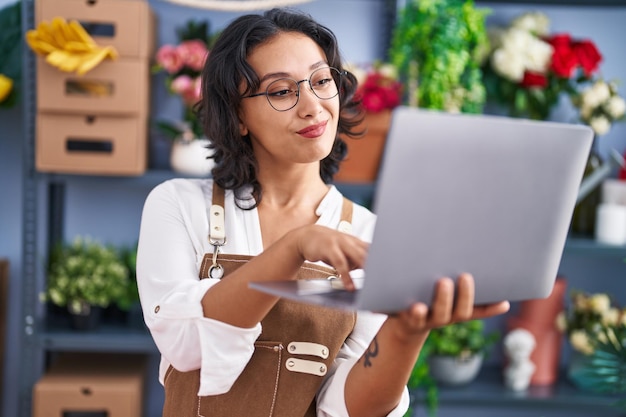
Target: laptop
[{"x": 488, "y": 195}]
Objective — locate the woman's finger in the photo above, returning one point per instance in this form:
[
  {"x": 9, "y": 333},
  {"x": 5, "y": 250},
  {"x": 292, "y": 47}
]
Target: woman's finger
[
  {"x": 443, "y": 302},
  {"x": 464, "y": 300}
]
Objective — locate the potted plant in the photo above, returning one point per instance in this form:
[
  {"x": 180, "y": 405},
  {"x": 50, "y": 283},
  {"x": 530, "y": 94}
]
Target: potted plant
[
  {"x": 438, "y": 47},
  {"x": 379, "y": 92},
  {"x": 596, "y": 330},
  {"x": 182, "y": 64},
  {"x": 456, "y": 351},
  {"x": 84, "y": 277}
]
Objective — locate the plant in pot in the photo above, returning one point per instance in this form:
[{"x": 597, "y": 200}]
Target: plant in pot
[
  {"x": 182, "y": 65},
  {"x": 456, "y": 351},
  {"x": 438, "y": 47},
  {"x": 84, "y": 277}
]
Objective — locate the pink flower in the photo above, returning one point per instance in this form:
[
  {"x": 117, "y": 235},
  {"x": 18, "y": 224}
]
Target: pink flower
[
  {"x": 167, "y": 57},
  {"x": 181, "y": 84},
  {"x": 193, "y": 53}
]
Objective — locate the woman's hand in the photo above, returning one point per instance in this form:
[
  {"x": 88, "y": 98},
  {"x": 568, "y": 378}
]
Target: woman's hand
[
  {"x": 340, "y": 250},
  {"x": 449, "y": 305}
]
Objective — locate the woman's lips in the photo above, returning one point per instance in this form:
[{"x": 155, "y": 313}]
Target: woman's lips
[{"x": 313, "y": 131}]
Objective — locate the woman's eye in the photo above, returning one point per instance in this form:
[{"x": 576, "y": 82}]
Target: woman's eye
[{"x": 281, "y": 93}]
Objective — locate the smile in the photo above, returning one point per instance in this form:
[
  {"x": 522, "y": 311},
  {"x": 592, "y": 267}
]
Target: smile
[{"x": 313, "y": 131}]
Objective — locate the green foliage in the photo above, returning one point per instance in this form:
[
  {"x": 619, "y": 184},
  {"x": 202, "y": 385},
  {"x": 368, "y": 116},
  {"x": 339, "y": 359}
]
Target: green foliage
[
  {"x": 420, "y": 382},
  {"x": 86, "y": 271},
  {"x": 11, "y": 48},
  {"x": 532, "y": 103},
  {"x": 438, "y": 47},
  {"x": 461, "y": 339},
  {"x": 129, "y": 257}
]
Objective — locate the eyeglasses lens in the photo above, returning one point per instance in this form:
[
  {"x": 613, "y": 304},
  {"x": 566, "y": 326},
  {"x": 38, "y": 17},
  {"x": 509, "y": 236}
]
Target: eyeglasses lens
[{"x": 283, "y": 94}]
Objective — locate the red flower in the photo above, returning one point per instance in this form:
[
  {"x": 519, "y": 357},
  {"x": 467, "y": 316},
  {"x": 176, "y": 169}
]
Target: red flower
[
  {"x": 533, "y": 79},
  {"x": 564, "y": 59},
  {"x": 588, "y": 56},
  {"x": 379, "y": 93}
]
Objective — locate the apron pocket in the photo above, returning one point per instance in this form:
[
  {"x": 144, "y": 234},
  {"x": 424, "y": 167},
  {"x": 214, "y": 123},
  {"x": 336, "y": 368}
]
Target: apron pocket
[{"x": 254, "y": 393}]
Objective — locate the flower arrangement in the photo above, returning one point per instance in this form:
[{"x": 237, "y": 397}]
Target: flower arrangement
[
  {"x": 379, "y": 88},
  {"x": 600, "y": 106},
  {"x": 528, "y": 69},
  {"x": 589, "y": 319},
  {"x": 597, "y": 332},
  {"x": 183, "y": 64},
  {"x": 85, "y": 272}
]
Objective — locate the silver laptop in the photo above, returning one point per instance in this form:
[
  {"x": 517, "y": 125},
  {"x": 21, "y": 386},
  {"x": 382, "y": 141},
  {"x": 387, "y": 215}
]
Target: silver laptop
[{"x": 488, "y": 195}]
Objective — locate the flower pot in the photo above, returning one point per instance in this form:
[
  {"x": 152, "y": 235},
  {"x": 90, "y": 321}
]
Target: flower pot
[
  {"x": 86, "y": 318},
  {"x": 191, "y": 157},
  {"x": 454, "y": 371},
  {"x": 364, "y": 154}
]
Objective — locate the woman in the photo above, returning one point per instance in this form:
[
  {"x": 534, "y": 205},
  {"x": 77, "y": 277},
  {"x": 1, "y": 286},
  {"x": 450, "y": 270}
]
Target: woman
[{"x": 275, "y": 97}]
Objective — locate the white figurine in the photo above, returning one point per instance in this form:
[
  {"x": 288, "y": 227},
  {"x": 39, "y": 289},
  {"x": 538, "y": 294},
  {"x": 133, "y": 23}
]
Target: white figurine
[{"x": 518, "y": 346}]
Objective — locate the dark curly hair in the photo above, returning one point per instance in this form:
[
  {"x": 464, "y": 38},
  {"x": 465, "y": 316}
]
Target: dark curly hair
[{"x": 225, "y": 71}]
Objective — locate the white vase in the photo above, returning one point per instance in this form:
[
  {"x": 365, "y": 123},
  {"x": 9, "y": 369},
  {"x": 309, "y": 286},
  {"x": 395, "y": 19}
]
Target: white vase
[
  {"x": 190, "y": 157},
  {"x": 453, "y": 371}
]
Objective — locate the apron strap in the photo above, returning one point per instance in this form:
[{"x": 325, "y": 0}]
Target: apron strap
[{"x": 217, "y": 229}]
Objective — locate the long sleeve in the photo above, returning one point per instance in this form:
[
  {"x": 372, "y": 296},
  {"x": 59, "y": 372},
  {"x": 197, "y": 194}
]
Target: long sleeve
[{"x": 169, "y": 252}]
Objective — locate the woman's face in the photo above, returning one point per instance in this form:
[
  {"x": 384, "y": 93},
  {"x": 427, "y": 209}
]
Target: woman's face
[{"x": 303, "y": 134}]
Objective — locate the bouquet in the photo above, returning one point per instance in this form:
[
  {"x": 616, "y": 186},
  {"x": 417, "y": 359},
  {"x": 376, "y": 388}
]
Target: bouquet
[
  {"x": 590, "y": 320},
  {"x": 183, "y": 64},
  {"x": 600, "y": 106},
  {"x": 528, "y": 69},
  {"x": 379, "y": 88}
]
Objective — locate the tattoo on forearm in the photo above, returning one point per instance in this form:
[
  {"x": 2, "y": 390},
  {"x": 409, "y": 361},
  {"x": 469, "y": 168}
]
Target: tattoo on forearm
[{"x": 370, "y": 353}]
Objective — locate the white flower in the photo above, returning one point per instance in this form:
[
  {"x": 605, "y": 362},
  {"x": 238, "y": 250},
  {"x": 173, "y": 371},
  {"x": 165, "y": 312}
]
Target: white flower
[
  {"x": 519, "y": 52},
  {"x": 595, "y": 95},
  {"x": 611, "y": 317},
  {"x": 538, "y": 55},
  {"x": 600, "y": 303},
  {"x": 600, "y": 125},
  {"x": 535, "y": 22},
  {"x": 615, "y": 107},
  {"x": 580, "y": 342}
]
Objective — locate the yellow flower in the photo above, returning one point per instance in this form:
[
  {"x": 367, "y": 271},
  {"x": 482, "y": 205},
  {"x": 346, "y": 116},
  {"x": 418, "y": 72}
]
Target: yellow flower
[
  {"x": 580, "y": 342},
  {"x": 561, "y": 322},
  {"x": 611, "y": 317},
  {"x": 600, "y": 303},
  {"x": 6, "y": 85}
]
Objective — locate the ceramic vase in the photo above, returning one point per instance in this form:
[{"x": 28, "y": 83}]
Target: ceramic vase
[
  {"x": 191, "y": 157},
  {"x": 454, "y": 371}
]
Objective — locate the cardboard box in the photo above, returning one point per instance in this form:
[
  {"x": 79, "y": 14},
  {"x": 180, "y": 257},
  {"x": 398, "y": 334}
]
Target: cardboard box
[
  {"x": 113, "y": 87},
  {"x": 91, "y": 384},
  {"x": 128, "y": 25},
  {"x": 96, "y": 145}
]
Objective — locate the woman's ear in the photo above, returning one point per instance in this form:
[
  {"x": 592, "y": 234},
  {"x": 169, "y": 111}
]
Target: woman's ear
[{"x": 243, "y": 129}]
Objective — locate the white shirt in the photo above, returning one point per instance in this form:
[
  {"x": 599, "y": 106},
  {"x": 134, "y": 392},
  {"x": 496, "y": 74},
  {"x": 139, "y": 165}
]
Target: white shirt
[{"x": 172, "y": 242}]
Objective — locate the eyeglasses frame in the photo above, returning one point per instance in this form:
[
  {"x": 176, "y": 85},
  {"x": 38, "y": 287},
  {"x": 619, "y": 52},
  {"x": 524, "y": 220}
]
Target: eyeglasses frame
[{"x": 266, "y": 93}]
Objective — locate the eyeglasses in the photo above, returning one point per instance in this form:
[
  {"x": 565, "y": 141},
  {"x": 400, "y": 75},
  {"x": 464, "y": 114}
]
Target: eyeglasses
[{"x": 283, "y": 94}]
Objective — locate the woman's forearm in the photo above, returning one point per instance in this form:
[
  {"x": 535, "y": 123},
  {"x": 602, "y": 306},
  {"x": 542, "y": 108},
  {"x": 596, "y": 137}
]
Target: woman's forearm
[{"x": 376, "y": 382}]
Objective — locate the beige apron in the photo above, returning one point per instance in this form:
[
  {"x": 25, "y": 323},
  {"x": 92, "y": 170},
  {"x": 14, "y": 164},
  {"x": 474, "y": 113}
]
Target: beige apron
[{"x": 292, "y": 355}]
